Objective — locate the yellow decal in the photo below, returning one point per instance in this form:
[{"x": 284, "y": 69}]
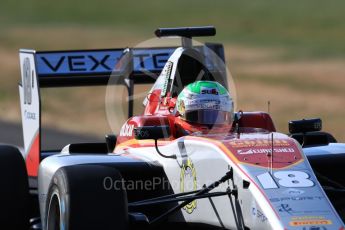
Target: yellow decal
[
  {"x": 310, "y": 222},
  {"x": 258, "y": 143},
  {"x": 188, "y": 183},
  {"x": 181, "y": 108}
]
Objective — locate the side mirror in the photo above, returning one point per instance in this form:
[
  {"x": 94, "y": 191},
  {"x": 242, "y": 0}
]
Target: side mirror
[
  {"x": 305, "y": 125},
  {"x": 151, "y": 132}
]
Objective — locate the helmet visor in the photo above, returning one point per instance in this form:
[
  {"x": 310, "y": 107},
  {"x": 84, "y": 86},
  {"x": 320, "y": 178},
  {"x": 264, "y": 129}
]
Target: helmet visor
[{"x": 208, "y": 117}]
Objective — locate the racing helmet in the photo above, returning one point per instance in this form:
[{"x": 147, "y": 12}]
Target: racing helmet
[{"x": 206, "y": 103}]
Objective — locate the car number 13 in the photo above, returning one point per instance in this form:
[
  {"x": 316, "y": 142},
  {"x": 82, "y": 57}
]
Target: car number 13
[{"x": 289, "y": 179}]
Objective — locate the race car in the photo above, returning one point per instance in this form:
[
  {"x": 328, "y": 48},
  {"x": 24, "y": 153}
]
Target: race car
[{"x": 189, "y": 161}]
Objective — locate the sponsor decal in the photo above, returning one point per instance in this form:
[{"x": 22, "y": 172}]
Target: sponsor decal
[
  {"x": 188, "y": 182},
  {"x": 206, "y": 90},
  {"x": 265, "y": 151},
  {"x": 78, "y": 62},
  {"x": 293, "y": 192},
  {"x": 301, "y": 198},
  {"x": 301, "y": 209},
  {"x": 259, "y": 143},
  {"x": 198, "y": 104},
  {"x": 285, "y": 208},
  {"x": 166, "y": 72},
  {"x": 142, "y": 134},
  {"x": 310, "y": 222},
  {"x": 29, "y": 115},
  {"x": 100, "y": 61},
  {"x": 315, "y": 228},
  {"x": 204, "y": 101},
  {"x": 258, "y": 214},
  {"x": 152, "y": 59},
  {"x": 127, "y": 130},
  {"x": 28, "y": 81},
  {"x": 307, "y": 218},
  {"x": 167, "y": 69}
]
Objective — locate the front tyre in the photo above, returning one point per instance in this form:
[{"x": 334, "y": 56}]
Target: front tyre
[
  {"x": 78, "y": 199},
  {"x": 14, "y": 190}
]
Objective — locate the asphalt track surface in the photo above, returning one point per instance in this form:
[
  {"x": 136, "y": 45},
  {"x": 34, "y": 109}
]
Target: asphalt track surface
[{"x": 52, "y": 139}]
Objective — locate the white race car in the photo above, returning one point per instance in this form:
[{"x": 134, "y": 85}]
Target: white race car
[{"x": 160, "y": 173}]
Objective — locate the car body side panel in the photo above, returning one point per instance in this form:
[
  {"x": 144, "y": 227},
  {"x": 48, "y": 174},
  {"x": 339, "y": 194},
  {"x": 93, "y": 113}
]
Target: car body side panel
[
  {"x": 205, "y": 164},
  {"x": 281, "y": 194},
  {"x": 285, "y": 195}
]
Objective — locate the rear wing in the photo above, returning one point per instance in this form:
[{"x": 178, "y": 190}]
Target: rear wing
[
  {"x": 94, "y": 67},
  {"x": 86, "y": 68}
]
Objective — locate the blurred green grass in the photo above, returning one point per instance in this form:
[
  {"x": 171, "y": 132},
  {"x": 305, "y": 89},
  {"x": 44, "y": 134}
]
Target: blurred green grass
[
  {"x": 314, "y": 28},
  {"x": 293, "y": 40},
  {"x": 304, "y": 85}
]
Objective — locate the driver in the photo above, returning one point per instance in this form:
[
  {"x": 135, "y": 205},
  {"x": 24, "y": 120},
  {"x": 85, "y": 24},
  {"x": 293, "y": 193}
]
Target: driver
[{"x": 202, "y": 106}]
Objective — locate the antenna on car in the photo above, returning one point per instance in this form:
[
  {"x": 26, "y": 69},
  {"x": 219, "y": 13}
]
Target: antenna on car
[
  {"x": 268, "y": 106},
  {"x": 186, "y": 33},
  {"x": 272, "y": 145},
  {"x": 269, "y": 154}
]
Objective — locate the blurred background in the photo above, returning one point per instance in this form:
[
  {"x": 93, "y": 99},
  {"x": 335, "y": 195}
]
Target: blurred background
[{"x": 291, "y": 53}]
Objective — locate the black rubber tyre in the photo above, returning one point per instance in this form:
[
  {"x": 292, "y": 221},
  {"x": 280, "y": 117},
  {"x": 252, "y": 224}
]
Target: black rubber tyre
[
  {"x": 80, "y": 198},
  {"x": 14, "y": 192}
]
